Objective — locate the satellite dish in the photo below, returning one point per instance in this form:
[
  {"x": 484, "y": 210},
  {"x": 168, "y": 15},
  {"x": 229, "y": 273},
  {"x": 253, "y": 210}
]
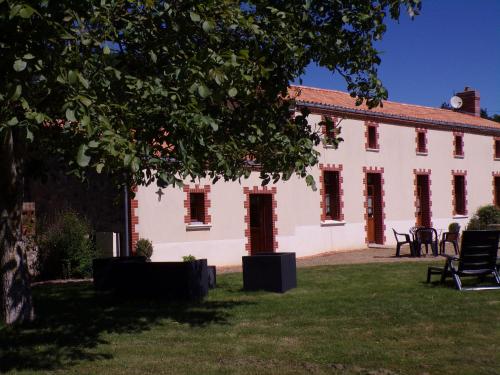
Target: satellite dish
[{"x": 456, "y": 102}]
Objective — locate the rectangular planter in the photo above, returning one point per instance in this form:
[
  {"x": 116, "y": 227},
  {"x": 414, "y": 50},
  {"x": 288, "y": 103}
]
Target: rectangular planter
[
  {"x": 212, "y": 277},
  {"x": 170, "y": 280},
  {"x": 103, "y": 270},
  {"x": 274, "y": 272}
]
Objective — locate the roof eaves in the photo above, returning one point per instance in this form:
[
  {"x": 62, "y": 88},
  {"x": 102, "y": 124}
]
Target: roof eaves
[{"x": 378, "y": 115}]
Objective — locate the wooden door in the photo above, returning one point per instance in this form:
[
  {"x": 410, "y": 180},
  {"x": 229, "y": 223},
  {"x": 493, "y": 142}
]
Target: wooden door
[
  {"x": 374, "y": 209},
  {"x": 370, "y": 213},
  {"x": 423, "y": 202},
  {"x": 418, "y": 204},
  {"x": 261, "y": 223}
]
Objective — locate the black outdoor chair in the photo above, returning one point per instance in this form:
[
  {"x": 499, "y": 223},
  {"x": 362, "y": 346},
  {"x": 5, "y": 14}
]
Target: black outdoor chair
[
  {"x": 451, "y": 237},
  {"x": 401, "y": 239},
  {"x": 413, "y": 230},
  {"x": 478, "y": 257},
  {"x": 425, "y": 236}
]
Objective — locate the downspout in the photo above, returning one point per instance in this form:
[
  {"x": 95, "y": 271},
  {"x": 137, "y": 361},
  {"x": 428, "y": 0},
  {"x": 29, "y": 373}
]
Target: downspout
[{"x": 126, "y": 205}]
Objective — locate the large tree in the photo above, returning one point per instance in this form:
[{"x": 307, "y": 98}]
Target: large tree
[{"x": 166, "y": 90}]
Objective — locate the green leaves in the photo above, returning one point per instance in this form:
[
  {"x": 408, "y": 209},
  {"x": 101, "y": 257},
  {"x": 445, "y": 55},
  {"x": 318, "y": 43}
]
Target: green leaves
[
  {"x": 82, "y": 158},
  {"x": 208, "y": 26},
  {"x": 194, "y": 98},
  {"x": 26, "y": 11},
  {"x": 19, "y": 65},
  {"x": 204, "y": 91},
  {"x": 17, "y": 93},
  {"x": 194, "y": 17},
  {"x": 70, "y": 115}
]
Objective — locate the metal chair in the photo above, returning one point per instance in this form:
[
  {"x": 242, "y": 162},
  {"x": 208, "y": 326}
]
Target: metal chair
[{"x": 426, "y": 236}]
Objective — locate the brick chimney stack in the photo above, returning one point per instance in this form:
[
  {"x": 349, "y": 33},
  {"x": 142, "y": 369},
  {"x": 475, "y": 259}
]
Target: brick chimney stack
[{"x": 471, "y": 103}]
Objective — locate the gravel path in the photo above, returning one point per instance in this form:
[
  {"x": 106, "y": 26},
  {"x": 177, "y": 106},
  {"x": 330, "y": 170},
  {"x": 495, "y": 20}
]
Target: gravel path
[{"x": 367, "y": 255}]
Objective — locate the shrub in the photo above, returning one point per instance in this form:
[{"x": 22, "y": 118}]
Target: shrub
[
  {"x": 454, "y": 228},
  {"x": 144, "y": 248},
  {"x": 188, "y": 258},
  {"x": 65, "y": 247},
  {"x": 484, "y": 216}
]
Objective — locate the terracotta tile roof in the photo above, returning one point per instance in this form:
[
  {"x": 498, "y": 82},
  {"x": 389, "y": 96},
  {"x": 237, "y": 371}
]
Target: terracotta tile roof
[{"x": 341, "y": 100}]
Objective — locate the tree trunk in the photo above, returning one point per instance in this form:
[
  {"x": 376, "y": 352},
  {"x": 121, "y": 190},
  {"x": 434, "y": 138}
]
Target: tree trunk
[{"x": 17, "y": 305}]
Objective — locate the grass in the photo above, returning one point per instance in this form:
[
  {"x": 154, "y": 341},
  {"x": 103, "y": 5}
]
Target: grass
[{"x": 356, "y": 319}]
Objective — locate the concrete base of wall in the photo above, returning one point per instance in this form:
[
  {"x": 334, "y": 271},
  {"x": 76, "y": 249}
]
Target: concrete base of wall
[{"x": 306, "y": 241}]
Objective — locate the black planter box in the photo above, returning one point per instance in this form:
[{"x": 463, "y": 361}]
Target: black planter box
[
  {"x": 212, "y": 277},
  {"x": 274, "y": 272},
  {"x": 103, "y": 270},
  {"x": 170, "y": 280}
]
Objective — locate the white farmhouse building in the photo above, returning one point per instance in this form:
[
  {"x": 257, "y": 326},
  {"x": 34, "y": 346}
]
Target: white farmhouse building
[{"x": 400, "y": 165}]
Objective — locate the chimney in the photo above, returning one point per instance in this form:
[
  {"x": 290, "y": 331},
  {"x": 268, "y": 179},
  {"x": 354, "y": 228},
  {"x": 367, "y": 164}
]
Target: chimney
[{"x": 470, "y": 98}]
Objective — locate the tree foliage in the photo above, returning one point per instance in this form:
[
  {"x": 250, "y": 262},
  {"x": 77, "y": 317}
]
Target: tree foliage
[
  {"x": 484, "y": 216},
  {"x": 180, "y": 88},
  {"x": 168, "y": 90}
]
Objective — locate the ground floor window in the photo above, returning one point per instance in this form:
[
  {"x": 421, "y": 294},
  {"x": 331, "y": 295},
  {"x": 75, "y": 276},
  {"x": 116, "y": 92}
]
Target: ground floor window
[
  {"x": 459, "y": 196},
  {"x": 332, "y": 194},
  {"x": 197, "y": 204},
  {"x": 496, "y": 190}
]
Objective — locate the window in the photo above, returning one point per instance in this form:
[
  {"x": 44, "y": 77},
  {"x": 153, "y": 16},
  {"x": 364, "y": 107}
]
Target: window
[
  {"x": 197, "y": 204},
  {"x": 329, "y": 129},
  {"x": 459, "y": 145},
  {"x": 421, "y": 142},
  {"x": 496, "y": 186},
  {"x": 330, "y": 132},
  {"x": 332, "y": 195},
  {"x": 497, "y": 148},
  {"x": 459, "y": 195},
  {"x": 197, "y": 207},
  {"x": 372, "y": 137}
]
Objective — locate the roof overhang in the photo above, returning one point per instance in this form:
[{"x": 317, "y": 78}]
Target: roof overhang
[{"x": 395, "y": 119}]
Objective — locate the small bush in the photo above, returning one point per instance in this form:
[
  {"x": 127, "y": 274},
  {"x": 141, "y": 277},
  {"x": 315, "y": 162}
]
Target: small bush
[
  {"x": 454, "y": 228},
  {"x": 188, "y": 258},
  {"x": 144, "y": 248},
  {"x": 65, "y": 248},
  {"x": 484, "y": 216}
]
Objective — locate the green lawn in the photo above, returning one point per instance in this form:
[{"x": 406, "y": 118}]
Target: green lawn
[{"x": 356, "y": 319}]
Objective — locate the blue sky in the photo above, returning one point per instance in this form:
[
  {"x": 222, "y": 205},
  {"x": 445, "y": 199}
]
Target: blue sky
[{"x": 450, "y": 45}]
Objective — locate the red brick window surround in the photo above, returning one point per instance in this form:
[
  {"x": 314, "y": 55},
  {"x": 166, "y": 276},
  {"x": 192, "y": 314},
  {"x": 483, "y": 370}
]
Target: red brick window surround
[
  {"x": 133, "y": 220},
  {"x": 496, "y": 188},
  {"x": 331, "y": 192},
  {"x": 380, "y": 237},
  {"x": 259, "y": 190},
  {"x": 197, "y": 204},
  {"x": 458, "y": 145},
  {"x": 421, "y": 205},
  {"x": 329, "y": 129},
  {"x": 371, "y": 136},
  {"x": 496, "y": 148},
  {"x": 421, "y": 141},
  {"x": 459, "y": 192}
]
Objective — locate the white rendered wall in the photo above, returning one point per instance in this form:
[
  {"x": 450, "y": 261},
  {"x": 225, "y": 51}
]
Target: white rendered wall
[{"x": 298, "y": 207}]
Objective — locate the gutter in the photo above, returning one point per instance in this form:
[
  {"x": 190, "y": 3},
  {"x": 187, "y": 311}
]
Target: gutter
[{"x": 398, "y": 119}]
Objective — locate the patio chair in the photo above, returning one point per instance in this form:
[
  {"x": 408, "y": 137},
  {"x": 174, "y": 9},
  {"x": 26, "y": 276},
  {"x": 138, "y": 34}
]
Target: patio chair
[
  {"x": 426, "y": 236},
  {"x": 451, "y": 237},
  {"x": 478, "y": 257},
  {"x": 413, "y": 230},
  {"x": 401, "y": 239}
]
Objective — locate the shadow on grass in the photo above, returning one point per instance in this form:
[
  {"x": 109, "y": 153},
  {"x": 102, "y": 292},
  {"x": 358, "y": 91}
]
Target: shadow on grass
[{"x": 71, "y": 320}]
